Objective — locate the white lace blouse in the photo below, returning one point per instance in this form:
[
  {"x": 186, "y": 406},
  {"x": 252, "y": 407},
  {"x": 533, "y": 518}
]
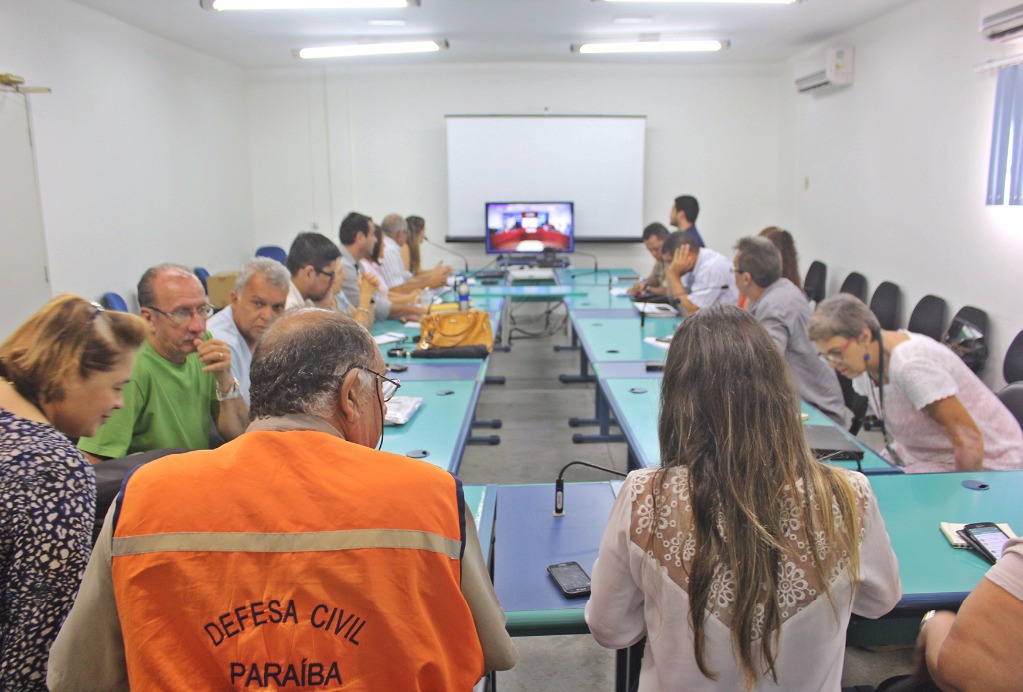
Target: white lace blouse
[{"x": 642, "y": 591}]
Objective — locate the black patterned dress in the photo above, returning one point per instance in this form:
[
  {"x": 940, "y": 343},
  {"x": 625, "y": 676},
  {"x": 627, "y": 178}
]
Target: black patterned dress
[{"x": 47, "y": 506}]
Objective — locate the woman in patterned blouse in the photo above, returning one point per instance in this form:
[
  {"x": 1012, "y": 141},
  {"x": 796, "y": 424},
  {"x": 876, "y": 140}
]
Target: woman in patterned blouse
[
  {"x": 741, "y": 558},
  {"x": 61, "y": 375}
]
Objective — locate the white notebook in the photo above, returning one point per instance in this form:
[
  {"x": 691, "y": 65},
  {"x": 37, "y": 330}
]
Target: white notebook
[{"x": 400, "y": 409}]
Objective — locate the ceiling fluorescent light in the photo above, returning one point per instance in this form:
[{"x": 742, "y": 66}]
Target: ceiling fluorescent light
[
  {"x": 224, "y": 5},
  {"x": 386, "y": 22},
  {"x": 650, "y": 47},
  {"x": 353, "y": 50},
  {"x": 744, "y": 2}
]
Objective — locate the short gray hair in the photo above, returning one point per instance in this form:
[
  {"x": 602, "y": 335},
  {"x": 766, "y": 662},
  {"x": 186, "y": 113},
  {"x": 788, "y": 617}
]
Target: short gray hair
[
  {"x": 842, "y": 315},
  {"x": 761, "y": 258},
  {"x": 393, "y": 224},
  {"x": 270, "y": 269},
  {"x": 301, "y": 360}
]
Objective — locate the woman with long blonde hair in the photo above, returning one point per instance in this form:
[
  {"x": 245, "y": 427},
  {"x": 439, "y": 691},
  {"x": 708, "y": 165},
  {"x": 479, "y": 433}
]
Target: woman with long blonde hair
[{"x": 741, "y": 558}]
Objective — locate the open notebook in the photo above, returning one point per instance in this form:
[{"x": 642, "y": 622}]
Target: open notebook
[{"x": 400, "y": 409}]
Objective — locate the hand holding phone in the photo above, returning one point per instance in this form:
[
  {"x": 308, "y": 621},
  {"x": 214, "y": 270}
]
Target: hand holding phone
[
  {"x": 986, "y": 538},
  {"x": 571, "y": 579}
]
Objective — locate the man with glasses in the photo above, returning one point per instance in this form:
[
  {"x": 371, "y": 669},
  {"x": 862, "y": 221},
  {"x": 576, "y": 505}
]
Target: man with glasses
[
  {"x": 181, "y": 376},
  {"x": 785, "y": 312},
  {"x": 311, "y": 263},
  {"x": 302, "y": 555}
]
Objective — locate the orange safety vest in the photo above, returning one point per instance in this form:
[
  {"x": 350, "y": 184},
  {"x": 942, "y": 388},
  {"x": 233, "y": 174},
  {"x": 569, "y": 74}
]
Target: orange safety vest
[{"x": 293, "y": 560}]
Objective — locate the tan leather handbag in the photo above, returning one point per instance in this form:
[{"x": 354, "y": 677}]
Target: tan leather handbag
[{"x": 469, "y": 328}]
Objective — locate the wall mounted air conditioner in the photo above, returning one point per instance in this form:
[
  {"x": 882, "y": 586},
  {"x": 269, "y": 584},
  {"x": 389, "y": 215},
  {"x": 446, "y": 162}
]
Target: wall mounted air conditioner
[
  {"x": 834, "y": 68},
  {"x": 1004, "y": 25}
]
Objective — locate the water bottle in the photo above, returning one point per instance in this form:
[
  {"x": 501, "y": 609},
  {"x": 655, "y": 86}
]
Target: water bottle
[{"x": 463, "y": 295}]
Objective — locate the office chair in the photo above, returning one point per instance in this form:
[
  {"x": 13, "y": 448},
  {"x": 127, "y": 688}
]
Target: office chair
[
  {"x": 203, "y": 275},
  {"x": 1012, "y": 366},
  {"x": 929, "y": 317},
  {"x": 886, "y": 304},
  {"x": 974, "y": 357},
  {"x": 816, "y": 281},
  {"x": 113, "y": 301},
  {"x": 1012, "y": 397},
  {"x": 855, "y": 284},
  {"x": 273, "y": 252},
  {"x": 856, "y": 403}
]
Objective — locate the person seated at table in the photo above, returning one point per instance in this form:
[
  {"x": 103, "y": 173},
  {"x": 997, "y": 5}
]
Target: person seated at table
[
  {"x": 784, "y": 311},
  {"x": 372, "y": 266},
  {"x": 978, "y": 648},
  {"x": 741, "y": 557},
  {"x": 181, "y": 378},
  {"x": 697, "y": 277},
  {"x": 654, "y": 236},
  {"x": 392, "y": 266},
  {"x": 358, "y": 239},
  {"x": 783, "y": 240},
  {"x": 61, "y": 375},
  {"x": 938, "y": 415},
  {"x": 259, "y": 296},
  {"x": 303, "y": 557},
  {"x": 311, "y": 259},
  {"x": 336, "y": 300}
]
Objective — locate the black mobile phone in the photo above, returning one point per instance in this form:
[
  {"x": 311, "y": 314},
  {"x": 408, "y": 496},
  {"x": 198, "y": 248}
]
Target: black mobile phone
[
  {"x": 987, "y": 539},
  {"x": 396, "y": 367},
  {"x": 570, "y": 578},
  {"x": 654, "y": 366}
]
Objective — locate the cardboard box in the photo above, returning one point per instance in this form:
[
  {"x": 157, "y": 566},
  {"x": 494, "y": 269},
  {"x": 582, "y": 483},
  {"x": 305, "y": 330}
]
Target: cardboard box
[{"x": 219, "y": 287}]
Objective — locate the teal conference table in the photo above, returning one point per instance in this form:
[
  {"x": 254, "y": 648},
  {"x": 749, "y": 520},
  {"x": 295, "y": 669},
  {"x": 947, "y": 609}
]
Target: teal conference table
[
  {"x": 482, "y": 502},
  {"x": 521, "y": 293},
  {"x": 635, "y": 403},
  {"x": 617, "y": 336},
  {"x": 439, "y": 430},
  {"x": 934, "y": 575},
  {"x": 580, "y": 276}
]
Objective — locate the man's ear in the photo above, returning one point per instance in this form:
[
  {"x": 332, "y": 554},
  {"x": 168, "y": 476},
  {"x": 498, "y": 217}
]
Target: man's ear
[{"x": 348, "y": 396}]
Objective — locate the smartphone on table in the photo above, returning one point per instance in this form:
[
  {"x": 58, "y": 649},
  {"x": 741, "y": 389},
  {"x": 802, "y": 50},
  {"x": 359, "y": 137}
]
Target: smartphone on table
[
  {"x": 570, "y": 578},
  {"x": 986, "y": 538}
]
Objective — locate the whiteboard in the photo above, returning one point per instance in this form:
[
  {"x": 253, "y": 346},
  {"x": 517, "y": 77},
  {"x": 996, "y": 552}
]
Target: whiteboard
[
  {"x": 23, "y": 271},
  {"x": 595, "y": 162}
]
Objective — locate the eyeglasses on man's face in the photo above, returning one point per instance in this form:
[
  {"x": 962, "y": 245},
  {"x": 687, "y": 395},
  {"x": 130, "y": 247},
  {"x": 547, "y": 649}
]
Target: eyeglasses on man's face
[
  {"x": 835, "y": 355},
  {"x": 388, "y": 387},
  {"x": 184, "y": 315},
  {"x": 329, "y": 275}
]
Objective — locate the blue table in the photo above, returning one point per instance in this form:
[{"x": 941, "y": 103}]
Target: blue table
[{"x": 580, "y": 276}]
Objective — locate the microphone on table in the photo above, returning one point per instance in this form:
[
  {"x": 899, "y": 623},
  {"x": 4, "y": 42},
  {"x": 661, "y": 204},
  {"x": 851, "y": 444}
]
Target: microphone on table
[
  {"x": 559, "y": 484},
  {"x": 674, "y": 301},
  {"x": 449, "y": 250},
  {"x": 596, "y": 267}
]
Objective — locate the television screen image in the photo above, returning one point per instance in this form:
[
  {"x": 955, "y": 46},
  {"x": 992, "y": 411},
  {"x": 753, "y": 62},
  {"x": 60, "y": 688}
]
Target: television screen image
[{"x": 529, "y": 227}]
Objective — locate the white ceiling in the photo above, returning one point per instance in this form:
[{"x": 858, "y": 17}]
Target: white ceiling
[{"x": 498, "y": 30}]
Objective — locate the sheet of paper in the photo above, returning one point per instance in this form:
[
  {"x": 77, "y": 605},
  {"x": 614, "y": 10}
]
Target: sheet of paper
[{"x": 654, "y": 341}]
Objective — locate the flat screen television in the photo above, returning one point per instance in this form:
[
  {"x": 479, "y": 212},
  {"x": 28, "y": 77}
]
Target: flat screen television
[{"x": 529, "y": 227}]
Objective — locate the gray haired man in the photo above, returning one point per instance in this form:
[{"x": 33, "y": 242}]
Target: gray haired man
[{"x": 258, "y": 298}]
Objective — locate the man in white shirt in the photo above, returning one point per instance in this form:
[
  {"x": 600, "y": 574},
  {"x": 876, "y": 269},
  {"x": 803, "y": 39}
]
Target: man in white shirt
[
  {"x": 392, "y": 266},
  {"x": 311, "y": 263},
  {"x": 697, "y": 277},
  {"x": 259, "y": 297}
]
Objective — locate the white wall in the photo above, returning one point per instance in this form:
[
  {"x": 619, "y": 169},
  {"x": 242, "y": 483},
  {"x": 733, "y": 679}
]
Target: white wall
[
  {"x": 142, "y": 147},
  {"x": 897, "y": 167},
  {"x": 373, "y": 140}
]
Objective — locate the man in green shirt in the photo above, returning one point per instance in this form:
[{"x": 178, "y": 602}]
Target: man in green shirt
[{"x": 180, "y": 378}]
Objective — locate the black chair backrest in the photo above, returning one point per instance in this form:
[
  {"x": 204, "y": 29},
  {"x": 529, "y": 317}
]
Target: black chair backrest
[
  {"x": 975, "y": 316},
  {"x": 816, "y": 281},
  {"x": 886, "y": 304},
  {"x": 110, "y": 474},
  {"x": 1012, "y": 397},
  {"x": 929, "y": 317},
  {"x": 1012, "y": 366},
  {"x": 855, "y": 284}
]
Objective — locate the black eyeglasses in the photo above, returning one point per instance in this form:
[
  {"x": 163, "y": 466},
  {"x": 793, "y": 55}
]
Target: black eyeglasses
[
  {"x": 331, "y": 275},
  {"x": 184, "y": 315},
  {"x": 388, "y": 387}
]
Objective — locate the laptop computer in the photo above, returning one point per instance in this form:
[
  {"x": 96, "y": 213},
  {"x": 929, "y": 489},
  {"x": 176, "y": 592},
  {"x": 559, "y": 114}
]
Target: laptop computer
[{"x": 832, "y": 444}]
